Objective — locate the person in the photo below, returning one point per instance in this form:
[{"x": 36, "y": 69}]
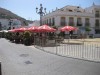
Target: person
[{"x": 70, "y": 34}]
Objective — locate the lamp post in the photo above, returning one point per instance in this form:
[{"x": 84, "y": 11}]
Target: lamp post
[
  {"x": 0, "y": 26},
  {"x": 10, "y": 23},
  {"x": 41, "y": 12}
]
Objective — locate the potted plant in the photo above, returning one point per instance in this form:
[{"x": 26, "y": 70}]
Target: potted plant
[
  {"x": 87, "y": 29},
  {"x": 17, "y": 37},
  {"x": 26, "y": 38}
]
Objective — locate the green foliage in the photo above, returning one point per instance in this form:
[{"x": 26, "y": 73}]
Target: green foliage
[
  {"x": 27, "y": 38},
  {"x": 27, "y": 34},
  {"x": 9, "y": 35},
  {"x": 87, "y": 29}
]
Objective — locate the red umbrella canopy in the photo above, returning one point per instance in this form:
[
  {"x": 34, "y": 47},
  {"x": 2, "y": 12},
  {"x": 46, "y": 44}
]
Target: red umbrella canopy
[
  {"x": 68, "y": 28},
  {"x": 20, "y": 29},
  {"x": 12, "y": 30},
  {"x": 46, "y": 28},
  {"x": 33, "y": 28}
]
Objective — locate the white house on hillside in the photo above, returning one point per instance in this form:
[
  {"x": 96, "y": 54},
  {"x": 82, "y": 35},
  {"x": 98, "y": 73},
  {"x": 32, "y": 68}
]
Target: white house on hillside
[
  {"x": 6, "y": 24},
  {"x": 35, "y": 23}
]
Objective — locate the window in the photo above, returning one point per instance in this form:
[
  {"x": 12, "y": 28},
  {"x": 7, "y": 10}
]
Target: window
[
  {"x": 79, "y": 22},
  {"x": 78, "y": 11},
  {"x": 53, "y": 21},
  {"x": 70, "y": 10},
  {"x": 97, "y": 14},
  {"x": 47, "y": 21},
  {"x": 87, "y": 22},
  {"x": 63, "y": 22},
  {"x": 50, "y": 21},
  {"x": 96, "y": 23},
  {"x": 97, "y": 31},
  {"x": 71, "y": 21}
]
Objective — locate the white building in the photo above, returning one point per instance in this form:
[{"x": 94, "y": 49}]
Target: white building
[
  {"x": 75, "y": 16},
  {"x": 35, "y": 23},
  {"x": 6, "y": 24}
]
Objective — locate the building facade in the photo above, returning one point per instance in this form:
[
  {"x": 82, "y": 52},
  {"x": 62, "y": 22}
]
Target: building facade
[
  {"x": 9, "y": 24},
  {"x": 75, "y": 16}
]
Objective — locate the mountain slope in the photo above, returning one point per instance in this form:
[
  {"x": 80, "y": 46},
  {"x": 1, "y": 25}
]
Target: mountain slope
[{"x": 4, "y": 13}]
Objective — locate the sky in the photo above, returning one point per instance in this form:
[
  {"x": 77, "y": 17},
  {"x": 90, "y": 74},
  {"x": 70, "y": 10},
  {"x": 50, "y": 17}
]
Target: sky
[{"x": 27, "y": 8}]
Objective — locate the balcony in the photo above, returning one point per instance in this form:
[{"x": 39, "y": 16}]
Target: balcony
[
  {"x": 97, "y": 27},
  {"x": 97, "y": 15},
  {"x": 49, "y": 24},
  {"x": 62, "y": 23},
  {"x": 79, "y": 23},
  {"x": 87, "y": 24},
  {"x": 97, "y": 24},
  {"x": 71, "y": 24}
]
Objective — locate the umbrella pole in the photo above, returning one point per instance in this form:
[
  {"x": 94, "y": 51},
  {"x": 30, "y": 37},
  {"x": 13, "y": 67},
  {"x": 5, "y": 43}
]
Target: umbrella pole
[{"x": 68, "y": 38}]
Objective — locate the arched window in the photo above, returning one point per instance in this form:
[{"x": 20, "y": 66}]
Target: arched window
[
  {"x": 97, "y": 23},
  {"x": 63, "y": 21},
  {"x": 79, "y": 22},
  {"x": 47, "y": 21},
  {"x": 53, "y": 21},
  {"x": 87, "y": 22},
  {"x": 97, "y": 14},
  {"x": 71, "y": 21},
  {"x": 50, "y": 21}
]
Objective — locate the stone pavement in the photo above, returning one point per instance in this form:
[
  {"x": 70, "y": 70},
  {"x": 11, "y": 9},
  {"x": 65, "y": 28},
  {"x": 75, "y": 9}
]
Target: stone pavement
[{"x": 18, "y": 59}]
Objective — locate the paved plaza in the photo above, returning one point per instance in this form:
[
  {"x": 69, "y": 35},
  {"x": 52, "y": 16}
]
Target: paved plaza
[{"x": 18, "y": 59}]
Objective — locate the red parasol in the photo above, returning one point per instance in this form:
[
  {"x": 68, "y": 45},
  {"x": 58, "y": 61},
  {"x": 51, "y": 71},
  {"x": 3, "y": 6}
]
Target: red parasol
[
  {"x": 68, "y": 28},
  {"x": 33, "y": 29},
  {"x": 20, "y": 29},
  {"x": 46, "y": 28},
  {"x": 12, "y": 30}
]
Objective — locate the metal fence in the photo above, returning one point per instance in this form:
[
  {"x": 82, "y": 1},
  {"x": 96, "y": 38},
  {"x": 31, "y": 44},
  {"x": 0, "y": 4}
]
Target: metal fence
[{"x": 71, "y": 48}]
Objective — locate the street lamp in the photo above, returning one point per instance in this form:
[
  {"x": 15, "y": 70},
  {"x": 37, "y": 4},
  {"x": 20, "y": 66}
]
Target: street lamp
[
  {"x": 10, "y": 23},
  {"x": 41, "y": 13},
  {"x": 0, "y": 26}
]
